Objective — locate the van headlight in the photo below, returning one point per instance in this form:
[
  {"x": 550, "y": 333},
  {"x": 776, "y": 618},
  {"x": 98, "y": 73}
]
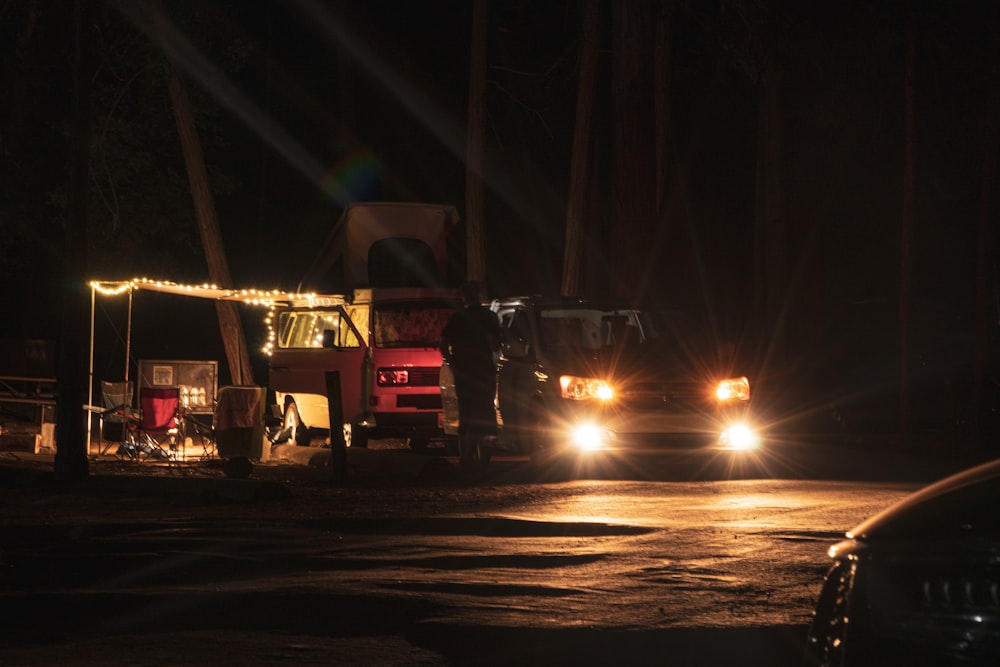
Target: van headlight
[
  {"x": 392, "y": 377},
  {"x": 581, "y": 388}
]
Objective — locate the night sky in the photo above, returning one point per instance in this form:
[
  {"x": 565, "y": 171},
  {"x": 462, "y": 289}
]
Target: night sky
[{"x": 305, "y": 105}]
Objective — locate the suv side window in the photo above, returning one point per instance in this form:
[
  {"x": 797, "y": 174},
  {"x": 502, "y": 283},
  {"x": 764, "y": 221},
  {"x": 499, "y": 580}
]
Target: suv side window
[
  {"x": 518, "y": 330},
  {"x": 505, "y": 319}
]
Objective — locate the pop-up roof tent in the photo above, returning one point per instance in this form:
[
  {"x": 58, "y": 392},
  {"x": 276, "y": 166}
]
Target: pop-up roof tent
[{"x": 384, "y": 244}]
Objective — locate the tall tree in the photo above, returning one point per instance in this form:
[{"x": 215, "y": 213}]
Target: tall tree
[
  {"x": 71, "y": 462},
  {"x": 907, "y": 220},
  {"x": 662, "y": 51},
  {"x": 753, "y": 34},
  {"x": 770, "y": 253},
  {"x": 476, "y": 128},
  {"x": 633, "y": 159},
  {"x": 985, "y": 281},
  {"x": 580, "y": 161},
  {"x": 230, "y": 326},
  {"x": 10, "y": 135}
]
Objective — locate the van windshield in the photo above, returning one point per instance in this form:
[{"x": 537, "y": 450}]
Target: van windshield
[{"x": 409, "y": 324}]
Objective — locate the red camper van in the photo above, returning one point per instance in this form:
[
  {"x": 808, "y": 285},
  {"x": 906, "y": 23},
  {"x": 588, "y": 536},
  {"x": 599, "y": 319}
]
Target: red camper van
[{"x": 379, "y": 338}]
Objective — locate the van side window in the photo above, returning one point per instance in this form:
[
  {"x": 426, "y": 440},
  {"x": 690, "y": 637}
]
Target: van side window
[
  {"x": 359, "y": 316},
  {"x": 303, "y": 329}
]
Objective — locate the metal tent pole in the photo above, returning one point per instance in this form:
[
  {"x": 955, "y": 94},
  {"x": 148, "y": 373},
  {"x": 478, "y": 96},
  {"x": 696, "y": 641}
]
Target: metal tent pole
[
  {"x": 90, "y": 369},
  {"x": 127, "y": 410},
  {"x": 128, "y": 338}
]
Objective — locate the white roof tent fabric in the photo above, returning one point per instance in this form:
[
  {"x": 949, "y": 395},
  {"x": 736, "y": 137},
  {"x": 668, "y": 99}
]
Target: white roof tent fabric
[{"x": 364, "y": 240}]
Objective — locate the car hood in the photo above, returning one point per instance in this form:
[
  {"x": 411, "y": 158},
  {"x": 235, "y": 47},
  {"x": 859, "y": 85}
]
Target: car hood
[
  {"x": 957, "y": 506},
  {"x": 642, "y": 361}
]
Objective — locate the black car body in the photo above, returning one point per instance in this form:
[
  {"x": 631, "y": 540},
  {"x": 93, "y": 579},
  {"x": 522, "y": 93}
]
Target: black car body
[
  {"x": 919, "y": 583},
  {"x": 589, "y": 375}
]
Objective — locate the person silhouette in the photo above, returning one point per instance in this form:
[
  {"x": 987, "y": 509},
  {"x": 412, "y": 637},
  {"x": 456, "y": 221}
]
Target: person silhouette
[{"x": 469, "y": 343}]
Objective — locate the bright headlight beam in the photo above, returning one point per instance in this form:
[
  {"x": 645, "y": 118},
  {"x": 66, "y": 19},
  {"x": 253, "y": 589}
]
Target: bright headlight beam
[
  {"x": 588, "y": 437},
  {"x": 739, "y": 437}
]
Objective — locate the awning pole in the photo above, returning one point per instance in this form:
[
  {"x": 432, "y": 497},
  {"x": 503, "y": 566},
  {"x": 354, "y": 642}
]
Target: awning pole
[
  {"x": 90, "y": 370},
  {"x": 128, "y": 339}
]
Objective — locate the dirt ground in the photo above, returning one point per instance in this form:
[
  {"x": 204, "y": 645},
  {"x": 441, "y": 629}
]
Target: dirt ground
[
  {"x": 294, "y": 486},
  {"x": 53, "y": 623},
  {"x": 153, "y": 492},
  {"x": 156, "y": 493}
]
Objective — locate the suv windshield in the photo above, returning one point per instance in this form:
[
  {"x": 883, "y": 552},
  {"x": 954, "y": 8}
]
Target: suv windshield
[
  {"x": 589, "y": 329},
  {"x": 408, "y": 324}
]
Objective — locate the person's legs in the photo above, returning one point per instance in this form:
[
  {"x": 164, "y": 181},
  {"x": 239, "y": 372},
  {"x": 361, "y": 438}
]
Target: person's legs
[{"x": 477, "y": 418}]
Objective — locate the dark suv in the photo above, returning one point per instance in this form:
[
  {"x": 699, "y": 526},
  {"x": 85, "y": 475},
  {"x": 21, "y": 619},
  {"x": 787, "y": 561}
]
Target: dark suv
[{"x": 599, "y": 375}]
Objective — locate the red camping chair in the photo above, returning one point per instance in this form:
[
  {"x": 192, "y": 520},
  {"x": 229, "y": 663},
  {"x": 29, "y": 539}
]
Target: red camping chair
[{"x": 158, "y": 425}]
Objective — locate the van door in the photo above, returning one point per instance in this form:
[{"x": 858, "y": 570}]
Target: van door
[{"x": 309, "y": 344}]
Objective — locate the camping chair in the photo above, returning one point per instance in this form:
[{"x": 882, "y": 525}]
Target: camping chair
[
  {"x": 158, "y": 425},
  {"x": 238, "y": 427},
  {"x": 116, "y": 401},
  {"x": 203, "y": 432}
]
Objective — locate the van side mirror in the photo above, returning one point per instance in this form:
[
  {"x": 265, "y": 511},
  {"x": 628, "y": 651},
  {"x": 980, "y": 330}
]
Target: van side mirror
[
  {"x": 330, "y": 338},
  {"x": 515, "y": 349}
]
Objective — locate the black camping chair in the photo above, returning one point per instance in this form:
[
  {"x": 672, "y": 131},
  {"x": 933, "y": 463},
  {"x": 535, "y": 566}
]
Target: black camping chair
[{"x": 116, "y": 401}]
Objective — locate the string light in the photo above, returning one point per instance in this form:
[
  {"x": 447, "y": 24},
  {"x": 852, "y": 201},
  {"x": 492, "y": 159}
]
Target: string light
[
  {"x": 269, "y": 299},
  {"x": 253, "y": 297}
]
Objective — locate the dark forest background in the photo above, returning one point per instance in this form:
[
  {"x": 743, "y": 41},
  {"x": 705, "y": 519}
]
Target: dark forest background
[{"x": 812, "y": 182}]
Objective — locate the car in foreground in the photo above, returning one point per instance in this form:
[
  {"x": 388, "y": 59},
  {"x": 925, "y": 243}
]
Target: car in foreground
[
  {"x": 580, "y": 377},
  {"x": 918, "y": 583}
]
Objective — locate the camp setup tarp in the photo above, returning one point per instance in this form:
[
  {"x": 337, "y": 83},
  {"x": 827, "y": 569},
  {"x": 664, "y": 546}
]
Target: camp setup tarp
[{"x": 112, "y": 288}]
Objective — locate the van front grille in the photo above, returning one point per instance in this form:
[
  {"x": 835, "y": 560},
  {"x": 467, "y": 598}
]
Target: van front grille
[
  {"x": 424, "y": 376},
  {"x": 419, "y": 401}
]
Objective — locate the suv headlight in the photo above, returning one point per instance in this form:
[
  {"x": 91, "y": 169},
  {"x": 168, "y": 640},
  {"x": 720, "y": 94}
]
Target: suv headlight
[
  {"x": 733, "y": 389},
  {"x": 580, "y": 388},
  {"x": 740, "y": 437}
]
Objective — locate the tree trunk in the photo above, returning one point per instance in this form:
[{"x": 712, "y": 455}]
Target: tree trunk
[
  {"x": 218, "y": 268},
  {"x": 906, "y": 225},
  {"x": 580, "y": 163},
  {"x": 986, "y": 310},
  {"x": 633, "y": 162},
  {"x": 662, "y": 53},
  {"x": 10, "y": 138},
  {"x": 72, "y": 448},
  {"x": 770, "y": 253},
  {"x": 476, "y": 128}
]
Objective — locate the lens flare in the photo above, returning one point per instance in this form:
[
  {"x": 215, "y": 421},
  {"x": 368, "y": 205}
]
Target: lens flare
[
  {"x": 588, "y": 437},
  {"x": 739, "y": 437}
]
